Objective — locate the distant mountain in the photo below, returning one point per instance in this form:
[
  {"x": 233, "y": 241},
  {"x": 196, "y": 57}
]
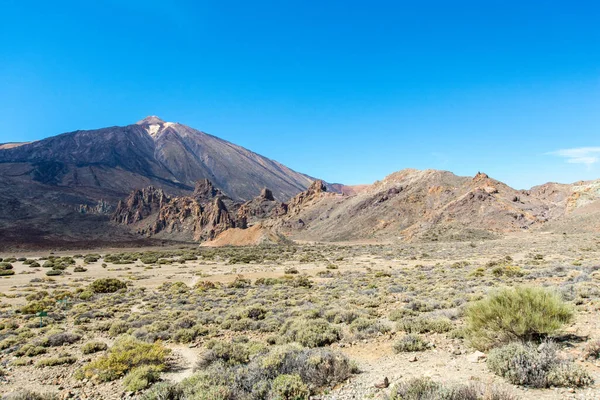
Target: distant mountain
[
  {"x": 162, "y": 181},
  {"x": 425, "y": 205},
  {"x": 152, "y": 151},
  {"x": 436, "y": 205},
  {"x": 51, "y": 185}
]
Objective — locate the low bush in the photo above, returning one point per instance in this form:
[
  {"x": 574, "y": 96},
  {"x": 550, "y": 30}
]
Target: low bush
[
  {"x": 107, "y": 285},
  {"x": 426, "y": 389},
  {"x": 91, "y": 258},
  {"x": 205, "y": 285},
  {"x": 410, "y": 343},
  {"x": 537, "y": 366},
  {"x": 141, "y": 378},
  {"x": 283, "y": 372},
  {"x": 54, "y": 361},
  {"x": 60, "y": 339},
  {"x": 165, "y": 391},
  {"x": 521, "y": 313},
  {"x": 30, "y": 350},
  {"x": 365, "y": 327},
  {"x": 424, "y": 325},
  {"x": 510, "y": 271},
  {"x": 592, "y": 350},
  {"x": 310, "y": 332},
  {"x": 126, "y": 354},
  {"x": 86, "y": 295},
  {"x": 36, "y": 306},
  {"x": 240, "y": 282},
  {"x": 290, "y": 270},
  {"x": 93, "y": 347},
  {"x": 117, "y": 328},
  {"x": 28, "y": 395},
  {"x": 229, "y": 353},
  {"x": 289, "y": 387},
  {"x": 6, "y": 272},
  {"x": 4, "y": 266}
]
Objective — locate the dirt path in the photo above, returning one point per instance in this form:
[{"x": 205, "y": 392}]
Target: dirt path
[{"x": 186, "y": 359}]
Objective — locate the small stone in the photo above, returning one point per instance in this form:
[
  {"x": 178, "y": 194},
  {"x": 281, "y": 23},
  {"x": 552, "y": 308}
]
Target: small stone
[
  {"x": 476, "y": 357},
  {"x": 383, "y": 384},
  {"x": 413, "y": 359}
]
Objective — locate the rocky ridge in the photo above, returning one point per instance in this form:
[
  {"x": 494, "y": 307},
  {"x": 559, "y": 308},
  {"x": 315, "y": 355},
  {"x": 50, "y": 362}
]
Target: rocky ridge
[{"x": 407, "y": 205}]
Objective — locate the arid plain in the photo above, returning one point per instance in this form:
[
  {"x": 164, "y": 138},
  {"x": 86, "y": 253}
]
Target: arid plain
[{"x": 379, "y": 315}]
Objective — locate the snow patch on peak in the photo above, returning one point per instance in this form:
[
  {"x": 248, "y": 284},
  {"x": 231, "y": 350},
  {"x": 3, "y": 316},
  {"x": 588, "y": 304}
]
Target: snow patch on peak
[{"x": 153, "y": 129}]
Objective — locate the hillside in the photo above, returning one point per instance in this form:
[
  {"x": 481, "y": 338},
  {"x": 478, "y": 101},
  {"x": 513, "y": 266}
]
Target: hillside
[
  {"x": 50, "y": 188},
  {"x": 408, "y": 205}
]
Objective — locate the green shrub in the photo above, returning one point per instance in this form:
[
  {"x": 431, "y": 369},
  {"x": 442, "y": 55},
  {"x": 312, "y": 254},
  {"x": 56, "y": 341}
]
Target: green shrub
[
  {"x": 60, "y": 339},
  {"x": 6, "y": 272},
  {"x": 267, "y": 281},
  {"x": 36, "y": 306},
  {"x": 4, "y": 266},
  {"x": 536, "y": 366},
  {"x": 289, "y": 387},
  {"x": 228, "y": 352},
  {"x": 410, "y": 343},
  {"x": 592, "y": 350},
  {"x": 86, "y": 295},
  {"x": 368, "y": 327},
  {"x": 315, "y": 369},
  {"x": 126, "y": 354},
  {"x": 310, "y": 332},
  {"x": 91, "y": 258},
  {"x": 28, "y": 395},
  {"x": 522, "y": 313},
  {"x": 297, "y": 280},
  {"x": 30, "y": 350},
  {"x": 187, "y": 335},
  {"x": 424, "y": 325},
  {"x": 426, "y": 389},
  {"x": 205, "y": 285},
  {"x": 240, "y": 282},
  {"x": 141, "y": 378},
  {"x": 510, "y": 271},
  {"x": 93, "y": 347},
  {"x": 165, "y": 391},
  {"x": 54, "y": 272},
  {"x": 117, "y": 328},
  {"x": 54, "y": 361},
  {"x": 79, "y": 269},
  {"x": 107, "y": 285}
]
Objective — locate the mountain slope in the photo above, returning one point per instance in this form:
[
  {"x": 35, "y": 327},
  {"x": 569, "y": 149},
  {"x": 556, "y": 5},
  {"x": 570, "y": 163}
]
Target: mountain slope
[
  {"x": 433, "y": 205},
  {"x": 407, "y": 205},
  {"x": 63, "y": 178},
  {"x": 165, "y": 154}
]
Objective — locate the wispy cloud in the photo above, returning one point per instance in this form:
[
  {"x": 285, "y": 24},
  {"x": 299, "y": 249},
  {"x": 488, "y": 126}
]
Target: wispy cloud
[{"x": 579, "y": 155}]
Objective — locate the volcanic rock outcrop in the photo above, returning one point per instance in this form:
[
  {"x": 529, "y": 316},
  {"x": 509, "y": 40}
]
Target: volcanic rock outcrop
[{"x": 201, "y": 216}]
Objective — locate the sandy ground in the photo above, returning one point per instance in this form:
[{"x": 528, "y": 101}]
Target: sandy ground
[{"x": 447, "y": 362}]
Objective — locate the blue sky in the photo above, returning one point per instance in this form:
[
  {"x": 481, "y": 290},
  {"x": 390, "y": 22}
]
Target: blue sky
[{"x": 347, "y": 91}]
